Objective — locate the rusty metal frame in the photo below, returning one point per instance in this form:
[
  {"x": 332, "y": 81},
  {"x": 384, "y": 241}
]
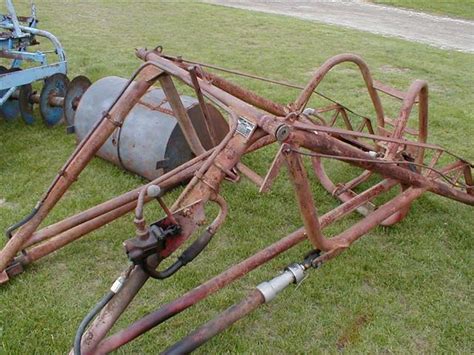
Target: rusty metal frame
[{"x": 390, "y": 154}]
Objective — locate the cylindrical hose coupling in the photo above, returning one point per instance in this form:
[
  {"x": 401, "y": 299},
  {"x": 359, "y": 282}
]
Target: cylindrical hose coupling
[{"x": 292, "y": 274}]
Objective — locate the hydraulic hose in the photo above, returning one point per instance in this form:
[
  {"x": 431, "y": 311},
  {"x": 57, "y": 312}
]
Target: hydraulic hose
[
  {"x": 188, "y": 255},
  {"x": 12, "y": 228},
  {"x": 116, "y": 287},
  {"x": 88, "y": 318},
  {"x": 195, "y": 248}
]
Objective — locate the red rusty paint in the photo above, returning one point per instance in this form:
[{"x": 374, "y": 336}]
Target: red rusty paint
[{"x": 254, "y": 122}]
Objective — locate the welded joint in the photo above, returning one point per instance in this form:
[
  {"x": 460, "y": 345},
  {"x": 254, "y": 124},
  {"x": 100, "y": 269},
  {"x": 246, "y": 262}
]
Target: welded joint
[
  {"x": 156, "y": 77},
  {"x": 292, "y": 274},
  {"x": 108, "y": 117}
]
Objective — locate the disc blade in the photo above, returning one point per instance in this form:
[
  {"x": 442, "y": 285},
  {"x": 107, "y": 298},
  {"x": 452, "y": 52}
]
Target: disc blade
[
  {"x": 76, "y": 88},
  {"x": 10, "y": 108},
  {"x": 54, "y": 87},
  {"x": 26, "y": 106}
]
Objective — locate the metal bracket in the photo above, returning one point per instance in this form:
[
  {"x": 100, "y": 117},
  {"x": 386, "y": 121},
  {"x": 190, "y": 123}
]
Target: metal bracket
[{"x": 13, "y": 269}]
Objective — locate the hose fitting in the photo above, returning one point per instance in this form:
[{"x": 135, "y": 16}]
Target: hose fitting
[{"x": 292, "y": 274}]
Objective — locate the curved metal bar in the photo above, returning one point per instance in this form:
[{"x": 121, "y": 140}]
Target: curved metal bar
[
  {"x": 331, "y": 146},
  {"x": 220, "y": 218},
  {"x": 417, "y": 88},
  {"x": 305, "y": 95},
  {"x": 53, "y": 39},
  {"x": 327, "y": 183},
  {"x": 350, "y": 235}
]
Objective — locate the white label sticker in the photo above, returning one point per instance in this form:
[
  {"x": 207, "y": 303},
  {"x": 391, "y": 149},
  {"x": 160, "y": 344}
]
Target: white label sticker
[{"x": 244, "y": 127}]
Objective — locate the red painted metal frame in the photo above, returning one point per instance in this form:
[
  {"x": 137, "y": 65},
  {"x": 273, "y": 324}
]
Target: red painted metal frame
[{"x": 388, "y": 154}]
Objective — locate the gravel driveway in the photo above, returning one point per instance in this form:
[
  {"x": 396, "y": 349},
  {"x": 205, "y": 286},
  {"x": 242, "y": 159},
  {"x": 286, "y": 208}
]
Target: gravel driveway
[{"x": 438, "y": 31}]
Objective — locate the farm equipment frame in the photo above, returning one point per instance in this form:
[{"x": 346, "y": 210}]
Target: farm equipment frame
[{"x": 381, "y": 148}]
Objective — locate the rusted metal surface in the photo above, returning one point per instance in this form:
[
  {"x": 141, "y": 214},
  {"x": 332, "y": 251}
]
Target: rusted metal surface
[
  {"x": 178, "y": 175},
  {"x": 211, "y": 128},
  {"x": 235, "y": 90},
  {"x": 250, "y": 174},
  {"x": 330, "y": 64},
  {"x": 308, "y": 212},
  {"x": 217, "y": 325},
  {"x": 380, "y": 148},
  {"x": 398, "y": 94},
  {"x": 181, "y": 115},
  {"x": 109, "y": 315},
  {"x": 216, "y": 283}
]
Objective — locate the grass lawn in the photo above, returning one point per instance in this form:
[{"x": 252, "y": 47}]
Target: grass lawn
[
  {"x": 402, "y": 289},
  {"x": 457, "y": 8}
]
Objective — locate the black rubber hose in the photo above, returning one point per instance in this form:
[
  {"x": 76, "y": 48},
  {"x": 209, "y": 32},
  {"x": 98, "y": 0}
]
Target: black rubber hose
[
  {"x": 196, "y": 247},
  {"x": 161, "y": 275},
  {"x": 85, "y": 322},
  {"x": 11, "y": 229},
  {"x": 188, "y": 255}
]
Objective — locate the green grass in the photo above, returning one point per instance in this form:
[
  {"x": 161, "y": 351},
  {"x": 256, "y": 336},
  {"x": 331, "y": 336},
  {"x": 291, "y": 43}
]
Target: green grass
[
  {"x": 402, "y": 289},
  {"x": 457, "y": 8}
]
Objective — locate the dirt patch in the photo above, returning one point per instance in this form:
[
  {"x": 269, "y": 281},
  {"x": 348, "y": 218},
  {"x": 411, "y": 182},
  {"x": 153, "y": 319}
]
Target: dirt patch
[
  {"x": 368, "y": 288},
  {"x": 7, "y": 205},
  {"x": 422, "y": 345},
  {"x": 351, "y": 333}
]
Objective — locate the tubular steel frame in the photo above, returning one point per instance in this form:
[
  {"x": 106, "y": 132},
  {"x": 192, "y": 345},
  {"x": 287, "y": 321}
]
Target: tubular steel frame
[{"x": 255, "y": 122}]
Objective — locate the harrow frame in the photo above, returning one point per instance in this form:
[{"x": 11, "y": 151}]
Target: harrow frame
[{"x": 13, "y": 45}]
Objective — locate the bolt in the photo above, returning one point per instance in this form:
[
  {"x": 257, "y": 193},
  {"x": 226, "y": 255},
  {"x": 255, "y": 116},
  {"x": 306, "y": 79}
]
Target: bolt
[{"x": 282, "y": 133}]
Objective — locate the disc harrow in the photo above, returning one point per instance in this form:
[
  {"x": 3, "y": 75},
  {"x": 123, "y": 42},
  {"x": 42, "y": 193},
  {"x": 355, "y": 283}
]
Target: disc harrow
[
  {"x": 16, "y": 92},
  {"x": 388, "y": 153}
]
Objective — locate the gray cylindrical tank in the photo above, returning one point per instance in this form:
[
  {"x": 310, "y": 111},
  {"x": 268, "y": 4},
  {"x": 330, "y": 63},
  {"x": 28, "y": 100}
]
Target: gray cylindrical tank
[{"x": 150, "y": 141}]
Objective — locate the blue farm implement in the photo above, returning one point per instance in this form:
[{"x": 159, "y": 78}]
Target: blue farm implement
[{"x": 17, "y": 97}]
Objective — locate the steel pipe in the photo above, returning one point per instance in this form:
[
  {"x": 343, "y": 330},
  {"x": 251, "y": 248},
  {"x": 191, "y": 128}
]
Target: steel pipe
[
  {"x": 213, "y": 285},
  {"x": 217, "y": 325}
]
